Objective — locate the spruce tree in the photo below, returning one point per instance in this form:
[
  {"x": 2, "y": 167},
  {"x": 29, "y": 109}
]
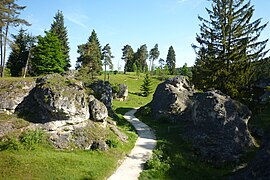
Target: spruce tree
[
  {"x": 20, "y": 50},
  {"x": 228, "y": 46},
  {"x": 48, "y": 56},
  {"x": 170, "y": 61},
  {"x": 140, "y": 58},
  {"x": 59, "y": 28},
  {"x": 146, "y": 87}
]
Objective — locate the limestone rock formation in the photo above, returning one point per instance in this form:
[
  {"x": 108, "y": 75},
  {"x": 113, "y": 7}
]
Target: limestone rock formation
[
  {"x": 218, "y": 128},
  {"x": 103, "y": 92},
  {"x": 122, "y": 93},
  {"x": 259, "y": 168},
  {"x": 98, "y": 110},
  {"x": 56, "y": 98},
  {"x": 171, "y": 99},
  {"x": 13, "y": 93}
]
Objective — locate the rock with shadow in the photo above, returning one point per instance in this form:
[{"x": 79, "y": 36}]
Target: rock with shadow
[
  {"x": 171, "y": 100},
  {"x": 218, "y": 128}
]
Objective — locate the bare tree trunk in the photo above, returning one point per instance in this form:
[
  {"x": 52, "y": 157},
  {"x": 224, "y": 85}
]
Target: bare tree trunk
[
  {"x": 105, "y": 73},
  {"x": 27, "y": 62},
  {"x": 1, "y": 49},
  {"x": 5, "y": 49}
]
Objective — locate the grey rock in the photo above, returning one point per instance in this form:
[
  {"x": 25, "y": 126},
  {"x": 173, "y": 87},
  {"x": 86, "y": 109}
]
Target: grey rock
[
  {"x": 218, "y": 128},
  {"x": 103, "y": 92},
  {"x": 55, "y": 98},
  {"x": 122, "y": 94},
  {"x": 98, "y": 110},
  {"x": 259, "y": 167},
  {"x": 99, "y": 145},
  {"x": 171, "y": 99},
  {"x": 12, "y": 93}
]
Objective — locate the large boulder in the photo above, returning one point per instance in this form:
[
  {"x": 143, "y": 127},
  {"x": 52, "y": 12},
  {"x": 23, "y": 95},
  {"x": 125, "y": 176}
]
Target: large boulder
[
  {"x": 56, "y": 98},
  {"x": 218, "y": 128},
  {"x": 171, "y": 99},
  {"x": 12, "y": 93},
  {"x": 98, "y": 110},
  {"x": 259, "y": 168},
  {"x": 103, "y": 92}
]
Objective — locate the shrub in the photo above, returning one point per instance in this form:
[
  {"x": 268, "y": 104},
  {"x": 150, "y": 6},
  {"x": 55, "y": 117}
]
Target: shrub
[
  {"x": 31, "y": 138},
  {"x": 112, "y": 143}
]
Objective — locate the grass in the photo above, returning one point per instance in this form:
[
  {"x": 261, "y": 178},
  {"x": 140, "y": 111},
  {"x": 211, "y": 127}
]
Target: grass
[
  {"x": 44, "y": 162},
  {"x": 262, "y": 119},
  {"x": 174, "y": 157}
]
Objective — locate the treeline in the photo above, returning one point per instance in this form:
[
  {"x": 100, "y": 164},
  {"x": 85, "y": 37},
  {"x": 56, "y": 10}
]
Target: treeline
[{"x": 46, "y": 54}]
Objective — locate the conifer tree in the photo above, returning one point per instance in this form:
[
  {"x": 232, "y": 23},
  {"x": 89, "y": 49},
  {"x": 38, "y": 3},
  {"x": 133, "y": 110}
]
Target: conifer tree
[
  {"x": 170, "y": 61},
  {"x": 154, "y": 54},
  {"x": 48, "y": 56},
  {"x": 59, "y": 28},
  {"x": 140, "y": 58},
  {"x": 90, "y": 57},
  {"x": 107, "y": 58},
  {"x": 128, "y": 57},
  {"x": 228, "y": 46},
  {"x": 20, "y": 50},
  {"x": 9, "y": 17},
  {"x": 146, "y": 87}
]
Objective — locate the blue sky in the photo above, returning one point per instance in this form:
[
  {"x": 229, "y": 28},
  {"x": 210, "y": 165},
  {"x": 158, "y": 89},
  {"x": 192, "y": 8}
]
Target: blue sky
[{"x": 133, "y": 22}]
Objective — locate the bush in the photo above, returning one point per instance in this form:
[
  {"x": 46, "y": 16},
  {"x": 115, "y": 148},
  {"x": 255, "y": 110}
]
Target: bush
[
  {"x": 112, "y": 143},
  {"x": 31, "y": 138}
]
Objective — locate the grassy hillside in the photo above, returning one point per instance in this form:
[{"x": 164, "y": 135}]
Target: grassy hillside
[{"x": 44, "y": 162}]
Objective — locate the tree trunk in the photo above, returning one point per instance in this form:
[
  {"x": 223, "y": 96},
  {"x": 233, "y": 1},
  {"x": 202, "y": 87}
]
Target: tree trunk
[
  {"x": 105, "y": 73},
  {"x": 27, "y": 62},
  {"x": 5, "y": 49},
  {"x": 1, "y": 49}
]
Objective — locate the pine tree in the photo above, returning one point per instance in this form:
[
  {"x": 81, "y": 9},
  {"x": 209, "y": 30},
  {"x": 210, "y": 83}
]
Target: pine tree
[
  {"x": 140, "y": 58},
  {"x": 146, "y": 87},
  {"x": 128, "y": 57},
  {"x": 9, "y": 17},
  {"x": 48, "y": 56},
  {"x": 170, "y": 61},
  {"x": 59, "y": 28},
  {"x": 154, "y": 54},
  {"x": 107, "y": 58},
  {"x": 20, "y": 50},
  {"x": 228, "y": 44},
  {"x": 90, "y": 56}
]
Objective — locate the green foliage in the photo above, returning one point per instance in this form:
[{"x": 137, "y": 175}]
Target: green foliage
[
  {"x": 112, "y": 143},
  {"x": 60, "y": 30},
  {"x": 170, "y": 61},
  {"x": 19, "y": 52},
  {"x": 154, "y": 54},
  {"x": 90, "y": 57},
  {"x": 128, "y": 57},
  {"x": 185, "y": 71},
  {"x": 228, "y": 46},
  {"x": 140, "y": 58},
  {"x": 107, "y": 58},
  {"x": 48, "y": 56},
  {"x": 28, "y": 140},
  {"x": 146, "y": 87}
]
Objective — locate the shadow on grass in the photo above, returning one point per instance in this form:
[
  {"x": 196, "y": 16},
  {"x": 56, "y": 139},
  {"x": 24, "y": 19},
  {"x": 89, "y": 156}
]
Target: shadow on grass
[{"x": 121, "y": 121}]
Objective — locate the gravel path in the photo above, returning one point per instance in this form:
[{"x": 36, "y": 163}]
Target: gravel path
[{"x": 132, "y": 165}]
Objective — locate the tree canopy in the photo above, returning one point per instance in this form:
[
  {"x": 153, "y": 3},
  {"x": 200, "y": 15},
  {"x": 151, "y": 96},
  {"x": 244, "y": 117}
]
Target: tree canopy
[
  {"x": 227, "y": 47},
  {"x": 48, "y": 56},
  {"x": 60, "y": 30},
  {"x": 170, "y": 61}
]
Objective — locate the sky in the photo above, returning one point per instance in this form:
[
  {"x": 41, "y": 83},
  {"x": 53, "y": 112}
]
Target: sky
[{"x": 134, "y": 22}]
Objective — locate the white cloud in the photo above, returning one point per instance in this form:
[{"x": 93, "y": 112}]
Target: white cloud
[
  {"x": 181, "y": 1},
  {"x": 78, "y": 19}
]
